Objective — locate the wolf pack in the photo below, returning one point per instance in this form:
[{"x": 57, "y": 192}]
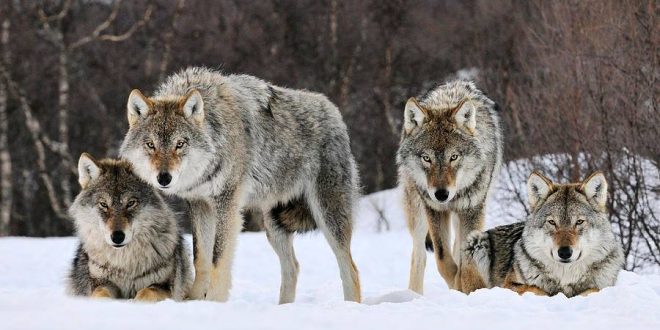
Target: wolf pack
[{"x": 230, "y": 143}]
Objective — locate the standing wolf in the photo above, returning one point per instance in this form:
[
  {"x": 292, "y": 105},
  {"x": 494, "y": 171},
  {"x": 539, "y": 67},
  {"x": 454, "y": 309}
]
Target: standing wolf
[
  {"x": 566, "y": 245},
  {"x": 130, "y": 243},
  {"x": 227, "y": 143},
  {"x": 450, "y": 154}
]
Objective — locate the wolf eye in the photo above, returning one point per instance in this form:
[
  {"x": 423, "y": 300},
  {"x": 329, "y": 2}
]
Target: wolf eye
[
  {"x": 453, "y": 157},
  {"x": 150, "y": 145},
  {"x": 180, "y": 144},
  {"x": 131, "y": 203},
  {"x": 579, "y": 222},
  {"x": 426, "y": 158},
  {"x": 552, "y": 222},
  {"x": 103, "y": 205}
]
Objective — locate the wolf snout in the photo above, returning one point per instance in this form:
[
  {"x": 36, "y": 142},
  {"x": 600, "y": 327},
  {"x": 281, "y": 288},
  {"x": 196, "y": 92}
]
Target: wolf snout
[
  {"x": 565, "y": 253},
  {"x": 164, "y": 178},
  {"x": 117, "y": 237}
]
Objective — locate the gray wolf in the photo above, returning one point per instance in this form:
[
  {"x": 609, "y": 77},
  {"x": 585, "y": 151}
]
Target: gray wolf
[
  {"x": 130, "y": 245},
  {"x": 449, "y": 156},
  {"x": 227, "y": 143},
  {"x": 565, "y": 246}
]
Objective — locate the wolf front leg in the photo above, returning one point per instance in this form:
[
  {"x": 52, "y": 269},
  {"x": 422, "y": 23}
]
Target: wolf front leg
[
  {"x": 439, "y": 226},
  {"x": 153, "y": 293},
  {"x": 228, "y": 226},
  {"x": 202, "y": 215},
  {"x": 419, "y": 229},
  {"x": 588, "y": 292},
  {"x": 106, "y": 290},
  {"x": 467, "y": 278}
]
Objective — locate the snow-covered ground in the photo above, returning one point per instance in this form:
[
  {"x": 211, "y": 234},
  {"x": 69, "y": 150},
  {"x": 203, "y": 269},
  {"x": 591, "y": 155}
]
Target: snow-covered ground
[
  {"x": 32, "y": 273},
  {"x": 33, "y": 270}
]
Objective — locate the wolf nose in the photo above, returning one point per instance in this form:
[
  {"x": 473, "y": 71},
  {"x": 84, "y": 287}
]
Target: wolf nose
[
  {"x": 164, "y": 178},
  {"x": 565, "y": 252},
  {"x": 117, "y": 236},
  {"x": 442, "y": 194}
]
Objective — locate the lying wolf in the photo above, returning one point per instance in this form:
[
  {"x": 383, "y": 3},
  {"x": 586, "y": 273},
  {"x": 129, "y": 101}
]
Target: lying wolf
[
  {"x": 566, "y": 245},
  {"x": 227, "y": 143},
  {"x": 130, "y": 246}
]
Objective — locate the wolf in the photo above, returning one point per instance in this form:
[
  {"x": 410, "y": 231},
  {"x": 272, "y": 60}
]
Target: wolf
[
  {"x": 565, "y": 246},
  {"x": 130, "y": 244},
  {"x": 449, "y": 155},
  {"x": 227, "y": 143}
]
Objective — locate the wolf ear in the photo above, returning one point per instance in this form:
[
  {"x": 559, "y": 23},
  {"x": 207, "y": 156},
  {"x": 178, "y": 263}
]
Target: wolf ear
[
  {"x": 88, "y": 170},
  {"x": 138, "y": 106},
  {"x": 465, "y": 116},
  {"x": 414, "y": 115},
  {"x": 595, "y": 188},
  {"x": 538, "y": 188},
  {"x": 193, "y": 107}
]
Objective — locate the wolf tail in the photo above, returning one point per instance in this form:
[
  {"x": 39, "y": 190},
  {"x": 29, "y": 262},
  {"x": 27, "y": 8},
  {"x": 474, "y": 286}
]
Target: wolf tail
[{"x": 429, "y": 243}]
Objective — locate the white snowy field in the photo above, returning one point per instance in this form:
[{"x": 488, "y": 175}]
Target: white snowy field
[
  {"x": 32, "y": 294},
  {"x": 33, "y": 270}
]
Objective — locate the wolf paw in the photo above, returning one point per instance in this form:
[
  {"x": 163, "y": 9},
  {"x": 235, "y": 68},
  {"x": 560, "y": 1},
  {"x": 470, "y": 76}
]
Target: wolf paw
[
  {"x": 151, "y": 295},
  {"x": 476, "y": 241},
  {"x": 102, "y": 293},
  {"x": 198, "y": 292}
]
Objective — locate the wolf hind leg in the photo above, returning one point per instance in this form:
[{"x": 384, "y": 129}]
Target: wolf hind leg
[
  {"x": 419, "y": 228},
  {"x": 332, "y": 211},
  {"x": 282, "y": 242}
]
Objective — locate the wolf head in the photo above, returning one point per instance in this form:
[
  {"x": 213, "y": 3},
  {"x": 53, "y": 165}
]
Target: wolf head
[
  {"x": 165, "y": 139},
  {"x": 439, "y": 148},
  {"x": 113, "y": 203},
  {"x": 568, "y": 222}
]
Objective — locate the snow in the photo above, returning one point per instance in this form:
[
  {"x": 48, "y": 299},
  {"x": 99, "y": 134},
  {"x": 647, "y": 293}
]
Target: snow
[{"x": 33, "y": 271}]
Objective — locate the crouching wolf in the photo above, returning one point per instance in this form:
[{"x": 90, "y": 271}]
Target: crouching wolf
[
  {"x": 130, "y": 243},
  {"x": 449, "y": 155},
  {"x": 566, "y": 245},
  {"x": 227, "y": 143}
]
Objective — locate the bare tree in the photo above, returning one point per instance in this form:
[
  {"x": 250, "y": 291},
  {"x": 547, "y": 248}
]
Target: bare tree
[{"x": 6, "y": 184}]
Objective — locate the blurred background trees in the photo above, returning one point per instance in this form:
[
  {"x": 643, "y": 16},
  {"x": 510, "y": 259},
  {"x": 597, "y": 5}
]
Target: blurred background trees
[{"x": 575, "y": 79}]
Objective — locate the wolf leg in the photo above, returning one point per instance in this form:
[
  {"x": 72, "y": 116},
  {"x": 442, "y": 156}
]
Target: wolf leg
[
  {"x": 228, "y": 226},
  {"x": 105, "y": 291},
  {"x": 152, "y": 294},
  {"x": 332, "y": 212},
  {"x": 522, "y": 288},
  {"x": 475, "y": 262},
  {"x": 282, "y": 242},
  {"x": 419, "y": 228},
  {"x": 467, "y": 222},
  {"x": 588, "y": 292},
  {"x": 439, "y": 224},
  {"x": 512, "y": 282},
  {"x": 203, "y": 230}
]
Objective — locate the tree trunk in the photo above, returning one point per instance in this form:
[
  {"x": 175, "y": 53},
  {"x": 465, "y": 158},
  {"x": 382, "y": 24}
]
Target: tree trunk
[{"x": 6, "y": 188}]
